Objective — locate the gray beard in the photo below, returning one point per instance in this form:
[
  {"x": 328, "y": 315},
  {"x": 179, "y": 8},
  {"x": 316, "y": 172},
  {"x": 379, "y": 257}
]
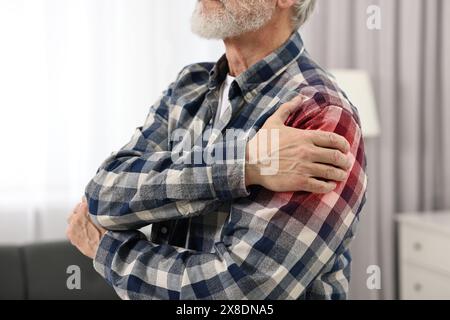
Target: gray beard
[{"x": 222, "y": 24}]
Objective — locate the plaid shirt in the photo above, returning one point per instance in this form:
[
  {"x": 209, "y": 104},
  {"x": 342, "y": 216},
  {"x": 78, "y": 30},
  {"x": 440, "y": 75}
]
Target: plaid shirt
[{"x": 211, "y": 237}]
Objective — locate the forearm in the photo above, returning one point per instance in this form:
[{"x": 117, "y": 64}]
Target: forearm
[
  {"x": 170, "y": 211},
  {"x": 261, "y": 265},
  {"x": 134, "y": 189}
]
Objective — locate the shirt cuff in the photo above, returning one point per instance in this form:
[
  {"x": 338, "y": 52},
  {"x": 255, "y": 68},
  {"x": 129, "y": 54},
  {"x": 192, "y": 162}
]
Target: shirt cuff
[
  {"x": 229, "y": 174},
  {"x": 108, "y": 246}
]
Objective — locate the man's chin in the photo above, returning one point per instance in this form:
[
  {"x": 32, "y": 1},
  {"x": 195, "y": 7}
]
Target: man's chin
[
  {"x": 211, "y": 28},
  {"x": 208, "y": 35}
]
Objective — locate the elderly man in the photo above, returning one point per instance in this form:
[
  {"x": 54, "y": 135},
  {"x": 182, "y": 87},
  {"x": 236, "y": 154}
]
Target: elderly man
[{"x": 231, "y": 229}]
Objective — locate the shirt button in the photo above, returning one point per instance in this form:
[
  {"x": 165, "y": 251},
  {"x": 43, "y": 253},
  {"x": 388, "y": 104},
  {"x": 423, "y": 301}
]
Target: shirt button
[{"x": 164, "y": 230}]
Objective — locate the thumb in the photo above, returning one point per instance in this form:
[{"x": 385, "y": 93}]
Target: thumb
[{"x": 285, "y": 110}]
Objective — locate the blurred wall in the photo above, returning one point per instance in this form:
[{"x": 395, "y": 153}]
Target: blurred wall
[{"x": 406, "y": 50}]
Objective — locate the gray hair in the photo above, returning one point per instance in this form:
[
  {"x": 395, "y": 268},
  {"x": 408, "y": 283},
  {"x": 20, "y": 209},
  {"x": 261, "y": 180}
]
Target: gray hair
[{"x": 303, "y": 10}]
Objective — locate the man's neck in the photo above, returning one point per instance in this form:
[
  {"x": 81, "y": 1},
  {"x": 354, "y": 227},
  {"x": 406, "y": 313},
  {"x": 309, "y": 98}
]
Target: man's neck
[{"x": 245, "y": 50}]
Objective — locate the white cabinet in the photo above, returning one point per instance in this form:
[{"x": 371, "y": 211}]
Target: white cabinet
[{"x": 424, "y": 245}]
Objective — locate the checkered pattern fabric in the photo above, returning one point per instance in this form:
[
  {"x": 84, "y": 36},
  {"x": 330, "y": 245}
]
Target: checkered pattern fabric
[{"x": 212, "y": 238}]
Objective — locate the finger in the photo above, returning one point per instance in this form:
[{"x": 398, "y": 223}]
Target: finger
[
  {"x": 320, "y": 187},
  {"x": 325, "y": 172},
  {"x": 84, "y": 208},
  {"x": 74, "y": 219},
  {"x": 330, "y": 140},
  {"x": 332, "y": 157},
  {"x": 83, "y": 199},
  {"x": 76, "y": 209},
  {"x": 73, "y": 214},
  {"x": 285, "y": 110}
]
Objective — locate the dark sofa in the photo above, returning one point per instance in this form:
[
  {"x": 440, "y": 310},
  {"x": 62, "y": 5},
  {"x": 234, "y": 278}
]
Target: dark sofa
[{"x": 39, "y": 272}]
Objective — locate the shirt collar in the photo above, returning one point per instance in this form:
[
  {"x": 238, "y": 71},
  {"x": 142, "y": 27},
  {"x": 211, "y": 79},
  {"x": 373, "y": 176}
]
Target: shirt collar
[{"x": 257, "y": 76}]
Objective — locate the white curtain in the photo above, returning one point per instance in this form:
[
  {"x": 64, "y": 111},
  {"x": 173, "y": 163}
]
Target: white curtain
[{"x": 76, "y": 78}]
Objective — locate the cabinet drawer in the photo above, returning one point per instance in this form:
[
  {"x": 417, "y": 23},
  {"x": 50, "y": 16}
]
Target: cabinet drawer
[
  {"x": 421, "y": 284},
  {"x": 424, "y": 247}
]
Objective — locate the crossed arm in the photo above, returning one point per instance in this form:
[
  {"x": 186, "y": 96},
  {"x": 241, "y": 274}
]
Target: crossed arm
[
  {"x": 142, "y": 184},
  {"x": 273, "y": 247}
]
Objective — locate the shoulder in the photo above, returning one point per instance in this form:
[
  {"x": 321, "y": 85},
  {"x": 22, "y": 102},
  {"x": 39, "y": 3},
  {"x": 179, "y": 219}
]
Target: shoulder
[
  {"x": 322, "y": 93},
  {"x": 191, "y": 81},
  {"x": 197, "y": 73}
]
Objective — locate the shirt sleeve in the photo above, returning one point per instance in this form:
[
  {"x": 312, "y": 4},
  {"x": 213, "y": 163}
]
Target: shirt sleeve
[
  {"x": 146, "y": 182},
  {"x": 273, "y": 246}
]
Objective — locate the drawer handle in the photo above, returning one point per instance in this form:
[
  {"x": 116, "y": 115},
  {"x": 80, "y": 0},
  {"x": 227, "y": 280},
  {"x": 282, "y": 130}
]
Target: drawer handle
[
  {"x": 418, "y": 287},
  {"x": 417, "y": 246}
]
